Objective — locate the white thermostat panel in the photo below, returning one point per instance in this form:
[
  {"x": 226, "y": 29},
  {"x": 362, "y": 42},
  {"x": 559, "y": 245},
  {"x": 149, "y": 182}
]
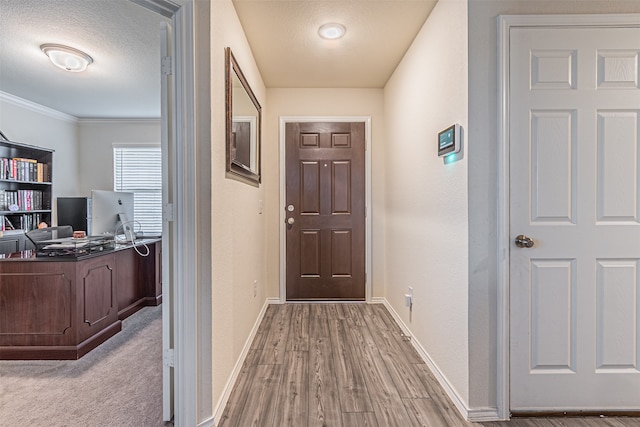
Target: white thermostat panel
[{"x": 449, "y": 140}]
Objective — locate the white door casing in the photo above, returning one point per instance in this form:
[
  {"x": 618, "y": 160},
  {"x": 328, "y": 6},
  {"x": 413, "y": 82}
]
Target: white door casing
[
  {"x": 180, "y": 214},
  {"x": 167, "y": 306},
  {"x": 574, "y": 127}
]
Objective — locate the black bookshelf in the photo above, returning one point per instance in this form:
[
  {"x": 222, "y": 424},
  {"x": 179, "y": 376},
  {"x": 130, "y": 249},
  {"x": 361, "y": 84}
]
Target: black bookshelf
[{"x": 25, "y": 186}]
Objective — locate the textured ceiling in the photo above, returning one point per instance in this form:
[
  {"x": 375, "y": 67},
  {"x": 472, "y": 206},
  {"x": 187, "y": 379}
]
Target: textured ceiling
[
  {"x": 123, "y": 39},
  {"x": 283, "y": 35}
]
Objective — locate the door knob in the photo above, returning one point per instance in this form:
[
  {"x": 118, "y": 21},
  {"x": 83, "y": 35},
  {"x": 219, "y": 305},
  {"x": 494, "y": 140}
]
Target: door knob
[
  {"x": 523, "y": 241},
  {"x": 290, "y": 221}
]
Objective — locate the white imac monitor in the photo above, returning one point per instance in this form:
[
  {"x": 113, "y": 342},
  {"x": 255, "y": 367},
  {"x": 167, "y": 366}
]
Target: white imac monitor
[{"x": 112, "y": 213}]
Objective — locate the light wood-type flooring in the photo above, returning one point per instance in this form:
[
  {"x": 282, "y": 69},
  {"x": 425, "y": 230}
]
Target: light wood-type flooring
[{"x": 348, "y": 365}]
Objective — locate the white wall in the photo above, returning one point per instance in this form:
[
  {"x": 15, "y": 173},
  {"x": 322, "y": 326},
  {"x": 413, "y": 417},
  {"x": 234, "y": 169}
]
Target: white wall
[
  {"x": 95, "y": 148},
  {"x": 323, "y": 102},
  {"x": 30, "y": 123},
  {"x": 238, "y": 229},
  {"x": 483, "y": 184},
  {"x": 426, "y": 199}
]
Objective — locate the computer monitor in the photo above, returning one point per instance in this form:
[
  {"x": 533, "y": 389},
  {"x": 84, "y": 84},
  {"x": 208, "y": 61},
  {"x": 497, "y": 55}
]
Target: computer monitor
[{"x": 112, "y": 213}]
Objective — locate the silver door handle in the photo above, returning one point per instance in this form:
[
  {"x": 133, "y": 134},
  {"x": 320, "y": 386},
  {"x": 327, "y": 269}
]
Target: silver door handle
[
  {"x": 523, "y": 241},
  {"x": 290, "y": 221}
]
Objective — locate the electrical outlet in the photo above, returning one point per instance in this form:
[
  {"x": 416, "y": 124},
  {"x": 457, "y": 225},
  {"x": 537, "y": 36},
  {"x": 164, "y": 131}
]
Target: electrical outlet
[{"x": 255, "y": 288}]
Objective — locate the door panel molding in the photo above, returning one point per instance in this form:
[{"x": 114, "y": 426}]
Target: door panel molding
[
  {"x": 339, "y": 142},
  {"x": 505, "y": 24}
]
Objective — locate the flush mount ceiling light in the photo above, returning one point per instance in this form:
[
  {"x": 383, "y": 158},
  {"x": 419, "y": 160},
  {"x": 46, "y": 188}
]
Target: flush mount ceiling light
[
  {"x": 66, "y": 57},
  {"x": 332, "y": 31}
]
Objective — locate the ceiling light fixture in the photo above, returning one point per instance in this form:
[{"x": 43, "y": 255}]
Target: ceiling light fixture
[
  {"x": 66, "y": 57},
  {"x": 332, "y": 31}
]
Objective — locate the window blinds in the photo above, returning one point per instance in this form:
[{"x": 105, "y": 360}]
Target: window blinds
[{"x": 138, "y": 170}]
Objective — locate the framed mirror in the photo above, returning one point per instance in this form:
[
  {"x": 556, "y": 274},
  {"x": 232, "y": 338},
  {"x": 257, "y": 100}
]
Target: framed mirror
[{"x": 243, "y": 123}]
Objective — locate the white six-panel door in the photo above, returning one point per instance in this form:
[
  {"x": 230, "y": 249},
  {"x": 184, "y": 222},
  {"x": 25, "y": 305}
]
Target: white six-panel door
[{"x": 575, "y": 191}]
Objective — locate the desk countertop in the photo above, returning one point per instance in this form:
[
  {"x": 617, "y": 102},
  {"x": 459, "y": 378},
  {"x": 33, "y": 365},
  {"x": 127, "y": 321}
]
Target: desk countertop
[{"x": 30, "y": 254}]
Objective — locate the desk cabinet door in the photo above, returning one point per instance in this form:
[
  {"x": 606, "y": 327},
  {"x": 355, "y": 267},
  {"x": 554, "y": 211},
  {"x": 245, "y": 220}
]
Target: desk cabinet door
[{"x": 96, "y": 294}]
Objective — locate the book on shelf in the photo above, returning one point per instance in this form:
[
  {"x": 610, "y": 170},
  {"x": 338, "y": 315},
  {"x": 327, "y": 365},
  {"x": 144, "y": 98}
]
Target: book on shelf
[
  {"x": 24, "y": 169},
  {"x": 7, "y": 224},
  {"x": 26, "y": 200},
  {"x": 25, "y": 222}
]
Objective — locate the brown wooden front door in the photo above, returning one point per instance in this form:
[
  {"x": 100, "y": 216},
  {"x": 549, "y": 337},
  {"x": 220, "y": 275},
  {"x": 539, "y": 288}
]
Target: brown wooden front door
[{"x": 325, "y": 211}]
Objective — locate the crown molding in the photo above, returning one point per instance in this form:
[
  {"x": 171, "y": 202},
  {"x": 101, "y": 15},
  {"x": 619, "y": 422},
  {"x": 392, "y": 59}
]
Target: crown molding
[
  {"x": 119, "y": 121},
  {"x": 36, "y": 108}
]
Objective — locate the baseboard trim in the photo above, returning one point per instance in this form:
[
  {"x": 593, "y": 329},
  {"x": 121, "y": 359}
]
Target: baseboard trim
[
  {"x": 476, "y": 414},
  {"x": 479, "y": 415},
  {"x": 222, "y": 402},
  {"x": 207, "y": 423},
  {"x": 274, "y": 301}
]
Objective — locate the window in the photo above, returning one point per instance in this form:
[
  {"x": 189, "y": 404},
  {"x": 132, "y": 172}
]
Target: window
[{"x": 138, "y": 170}]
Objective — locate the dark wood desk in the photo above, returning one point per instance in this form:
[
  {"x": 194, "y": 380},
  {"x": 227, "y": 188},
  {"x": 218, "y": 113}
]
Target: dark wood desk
[{"x": 62, "y": 308}]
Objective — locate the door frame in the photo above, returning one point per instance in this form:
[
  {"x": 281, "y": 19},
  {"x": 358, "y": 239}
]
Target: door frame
[
  {"x": 282, "y": 200},
  {"x": 505, "y": 24},
  {"x": 190, "y": 337}
]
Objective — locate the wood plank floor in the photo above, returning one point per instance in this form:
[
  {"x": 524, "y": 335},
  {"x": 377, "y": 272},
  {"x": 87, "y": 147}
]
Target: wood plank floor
[{"x": 347, "y": 365}]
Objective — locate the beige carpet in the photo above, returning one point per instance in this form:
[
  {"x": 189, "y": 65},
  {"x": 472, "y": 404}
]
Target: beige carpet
[{"x": 117, "y": 384}]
